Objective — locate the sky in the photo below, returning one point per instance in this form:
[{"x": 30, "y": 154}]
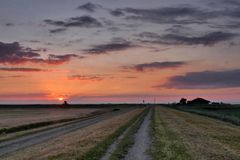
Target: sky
[{"x": 108, "y": 51}]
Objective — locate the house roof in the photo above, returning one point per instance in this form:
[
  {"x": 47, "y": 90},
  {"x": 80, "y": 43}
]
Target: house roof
[{"x": 200, "y": 100}]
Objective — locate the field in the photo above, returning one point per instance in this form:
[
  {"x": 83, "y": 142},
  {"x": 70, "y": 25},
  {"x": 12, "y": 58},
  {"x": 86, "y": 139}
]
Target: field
[
  {"x": 223, "y": 112},
  {"x": 196, "y": 137},
  {"x": 15, "y": 117},
  {"x": 226, "y": 113},
  {"x": 130, "y": 133}
]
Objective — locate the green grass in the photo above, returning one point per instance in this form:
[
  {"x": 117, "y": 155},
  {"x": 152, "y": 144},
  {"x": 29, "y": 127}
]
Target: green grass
[
  {"x": 128, "y": 140},
  {"x": 166, "y": 144},
  {"x": 227, "y": 112},
  {"x": 228, "y": 115}
]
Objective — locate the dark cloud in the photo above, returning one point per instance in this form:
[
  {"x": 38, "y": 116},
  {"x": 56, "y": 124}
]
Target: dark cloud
[
  {"x": 171, "y": 15},
  {"x": 131, "y": 77},
  {"x": 13, "y": 76},
  {"x": 205, "y": 80},
  {"x": 176, "y": 39},
  {"x": 9, "y": 24},
  {"x": 117, "y": 44},
  {"x": 86, "y": 77},
  {"x": 90, "y": 7},
  {"x": 34, "y": 41},
  {"x": 83, "y": 21},
  {"x": 114, "y": 29},
  {"x": 58, "y": 30},
  {"x": 14, "y": 69},
  {"x": 178, "y": 29},
  {"x": 233, "y": 13},
  {"x": 59, "y": 59},
  {"x": 75, "y": 41},
  {"x": 233, "y": 3},
  {"x": 155, "y": 66},
  {"x": 14, "y": 53},
  {"x": 228, "y": 25},
  {"x": 116, "y": 12}
]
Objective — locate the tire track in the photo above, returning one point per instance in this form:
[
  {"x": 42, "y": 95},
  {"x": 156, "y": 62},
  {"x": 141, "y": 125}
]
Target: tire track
[{"x": 142, "y": 141}]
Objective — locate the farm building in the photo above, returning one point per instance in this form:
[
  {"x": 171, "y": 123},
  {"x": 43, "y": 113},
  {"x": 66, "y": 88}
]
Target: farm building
[{"x": 198, "y": 101}]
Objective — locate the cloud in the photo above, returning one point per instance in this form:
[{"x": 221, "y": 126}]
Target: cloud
[
  {"x": 233, "y": 3},
  {"x": 155, "y": 66},
  {"x": 89, "y": 7},
  {"x": 59, "y": 59},
  {"x": 211, "y": 38},
  {"x": 205, "y": 80},
  {"x": 170, "y": 15},
  {"x": 117, "y": 44},
  {"x": 13, "y": 76},
  {"x": 58, "y": 30},
  {"x": 34, "y": 41},
  {"x": 83, "y": 21},
  {"x": 16, "y": 69},
  {"x": 116, "y": 13},
  {"x": 86, "y": 77},
  {"x": 14, "y": 53},
  {"x": 131, "y": 77},
  {"x": 9, "y": 24}
]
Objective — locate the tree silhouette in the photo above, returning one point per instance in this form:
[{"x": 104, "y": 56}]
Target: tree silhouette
[{"x": 183, "y": 101}]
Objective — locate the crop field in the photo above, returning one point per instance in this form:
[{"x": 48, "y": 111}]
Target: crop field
[
  {"x": 191, "y": 136},
  {"x": 227, "y": 113},
  {"x": 14, "y": 117},
  {"x": 135, "y": 133},
  {"x": 223, "y": 112}
]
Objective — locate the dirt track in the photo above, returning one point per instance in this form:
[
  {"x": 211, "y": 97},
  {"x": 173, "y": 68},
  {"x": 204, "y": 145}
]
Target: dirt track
[
  {"x": 29, "y": 140},
  {"x": 142, "y": 141}
]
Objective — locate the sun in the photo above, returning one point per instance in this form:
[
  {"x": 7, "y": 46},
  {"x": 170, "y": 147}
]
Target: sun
[{"x": 60, "y": 98}]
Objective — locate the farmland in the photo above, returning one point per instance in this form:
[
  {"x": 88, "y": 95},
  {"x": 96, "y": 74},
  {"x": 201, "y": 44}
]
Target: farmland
[
  {"x": 226, "y": 113},
  {"x": 129, "y": 133},
  {"x": 14, "y": 117},
  {"x": 202, "y": 137}
]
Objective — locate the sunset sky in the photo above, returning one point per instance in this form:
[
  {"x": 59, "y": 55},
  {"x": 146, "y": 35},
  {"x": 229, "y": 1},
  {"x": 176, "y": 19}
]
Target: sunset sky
[{"x": 119, "y": 51}]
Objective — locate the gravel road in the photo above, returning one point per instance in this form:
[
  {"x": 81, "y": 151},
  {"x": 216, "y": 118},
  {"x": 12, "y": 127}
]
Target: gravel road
[
  {"x": 10, "y": 146},
  {"x": 142, "y": 141}
]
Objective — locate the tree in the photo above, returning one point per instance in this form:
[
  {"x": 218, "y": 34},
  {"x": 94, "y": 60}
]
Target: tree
[{"x": 183, "y": 101}]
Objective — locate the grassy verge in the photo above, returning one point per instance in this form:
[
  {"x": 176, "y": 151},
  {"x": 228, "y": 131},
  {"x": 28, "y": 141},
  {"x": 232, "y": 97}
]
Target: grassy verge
[
  {"x": 99, "y": 150},
  {"x": 166, "y": 145},
  {"x": 25, "y": 127},
  {"x": 227, "y": 118},
  {"x": 128, "y": 140}
]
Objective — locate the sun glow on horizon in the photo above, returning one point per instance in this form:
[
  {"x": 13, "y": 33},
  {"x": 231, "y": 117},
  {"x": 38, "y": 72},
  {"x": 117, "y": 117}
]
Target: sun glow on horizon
[{"x": 60, "y": 98}]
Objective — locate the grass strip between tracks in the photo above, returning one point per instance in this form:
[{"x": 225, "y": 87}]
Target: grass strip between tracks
[
  {"x": 128, "y": 140},
  {"x": 166, "y": 144},
  {"x": 99, "y": 150}
]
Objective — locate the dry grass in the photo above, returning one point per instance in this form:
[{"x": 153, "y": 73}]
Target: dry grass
[
  {"x": 16, "y": 117},
  {"x": 166, "y": 144},
  {"x": 73, "y": 144},
  {"x": 205, "y": 138}
]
